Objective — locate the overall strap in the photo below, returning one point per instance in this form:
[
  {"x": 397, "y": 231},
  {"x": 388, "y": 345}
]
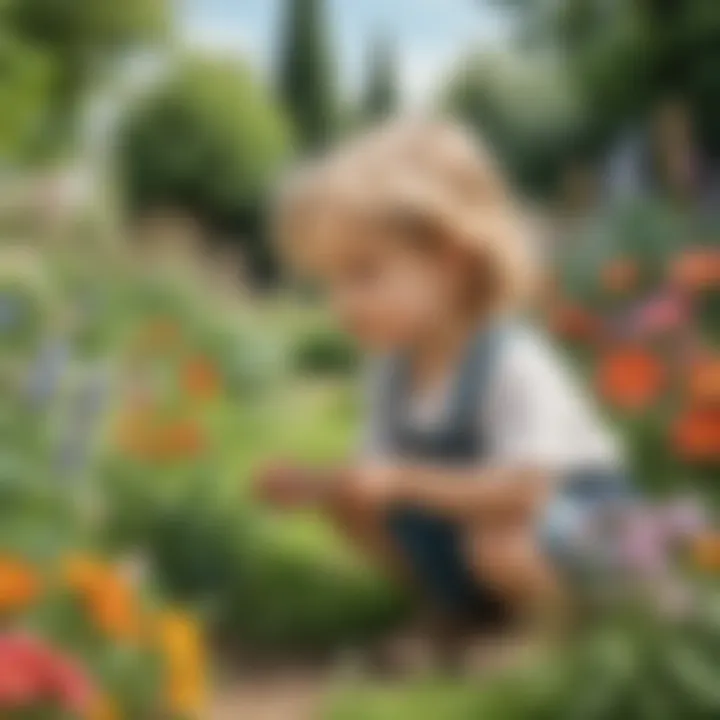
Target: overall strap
[
  {"x": 475, "y": 376},
  {"x": 460, "y": 433}
]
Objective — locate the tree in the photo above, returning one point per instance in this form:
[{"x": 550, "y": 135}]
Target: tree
[
  {"x": 521, "y": 105},
  {"x": 381, "y": 91},
  {"x": 306, "y": 82},
  {"x": 25, "y": 82},
  {"x": 71, "y": 44},
  {"x": 207, "y": 142},
  {"x": 628, "y": 56}
]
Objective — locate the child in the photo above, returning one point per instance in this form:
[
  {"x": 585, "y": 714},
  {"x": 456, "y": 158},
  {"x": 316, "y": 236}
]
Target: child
[{"x": 481, "y": 457}]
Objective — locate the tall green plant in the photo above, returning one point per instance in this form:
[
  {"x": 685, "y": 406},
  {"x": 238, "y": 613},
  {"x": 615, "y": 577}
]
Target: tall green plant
[{"x": 306, "y": 77}]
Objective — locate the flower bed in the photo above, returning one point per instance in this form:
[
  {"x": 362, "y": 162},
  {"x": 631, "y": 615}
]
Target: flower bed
[{"x": 80, "y": 639}]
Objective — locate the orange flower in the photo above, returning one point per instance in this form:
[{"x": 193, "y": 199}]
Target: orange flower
[
  {"x": 20, "y": 585},
  {"x": 109, "y": 599},
  {"x": 82, "y": 574},
  {"x": 696, "y": 269},
  {"x": 706, "y": 552},
  {"x": 181, "y": 643},
  {"x": 114, "y": 611},
  {"x": 696, "y": 434},
  {"x": 146, "y": 437},
  {"x": 574, "y": 323},
  {"x": 704, "y": 380},
  {"x": 630, "y": 378},
  {"x": 200, "y": 379},
  {"x": 620, "y": 276}
]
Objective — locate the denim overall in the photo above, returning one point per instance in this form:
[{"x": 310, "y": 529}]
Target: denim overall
[{"x": 433, "y": 545}]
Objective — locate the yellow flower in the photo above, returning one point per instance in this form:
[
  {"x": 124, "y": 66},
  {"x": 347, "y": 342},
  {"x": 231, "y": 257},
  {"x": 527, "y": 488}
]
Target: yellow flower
[
  {"x": 104, "y": 708},
  {"x": 20, "y": 585},
  {"x": 181, "y": 643}
]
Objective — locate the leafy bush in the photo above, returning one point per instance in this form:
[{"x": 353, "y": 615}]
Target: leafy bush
[
  {"x": 323, "y": 351},
  {"x": 208, "y": 141},
  {"x": 636, "y": 665}
]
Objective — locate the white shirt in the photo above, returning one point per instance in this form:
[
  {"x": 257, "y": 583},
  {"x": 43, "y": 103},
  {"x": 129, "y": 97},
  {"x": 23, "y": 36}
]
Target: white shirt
[{"x": 532, "y": 413}]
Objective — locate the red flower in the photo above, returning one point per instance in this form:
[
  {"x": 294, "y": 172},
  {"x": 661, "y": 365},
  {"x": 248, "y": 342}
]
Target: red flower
[
  {"x": 696, "y": 434},
  {"x": 33, "y": 674},
  {"x": 70, "y": 686},
  {"x": 630, "y": 378}
]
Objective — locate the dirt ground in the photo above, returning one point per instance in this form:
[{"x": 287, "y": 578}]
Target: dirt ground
[{"x": 286, "y": 695}]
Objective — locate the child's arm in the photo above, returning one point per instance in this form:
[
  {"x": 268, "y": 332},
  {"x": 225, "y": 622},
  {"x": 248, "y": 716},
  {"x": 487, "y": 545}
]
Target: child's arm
[{"x": 462, "y": 494}]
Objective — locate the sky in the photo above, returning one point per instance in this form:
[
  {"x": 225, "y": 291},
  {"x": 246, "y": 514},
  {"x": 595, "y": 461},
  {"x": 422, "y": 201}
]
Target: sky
[{"x": 430, "y": 34}]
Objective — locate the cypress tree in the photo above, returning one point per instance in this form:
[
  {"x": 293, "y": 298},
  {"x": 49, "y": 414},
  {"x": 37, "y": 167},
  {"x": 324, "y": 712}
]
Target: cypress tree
[
  {"x": 306, "y": 82},
  {"x": 381, "y": 91}
]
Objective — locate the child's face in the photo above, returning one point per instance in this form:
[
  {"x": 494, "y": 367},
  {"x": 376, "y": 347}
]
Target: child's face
[{"x": 386, "y": 289}]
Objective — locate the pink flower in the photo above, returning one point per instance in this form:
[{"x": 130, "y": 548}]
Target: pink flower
[
  {"x": 662, "y": 314},
  {"x": 684, "y": 518},
  {"x": 643, "y": 547}
]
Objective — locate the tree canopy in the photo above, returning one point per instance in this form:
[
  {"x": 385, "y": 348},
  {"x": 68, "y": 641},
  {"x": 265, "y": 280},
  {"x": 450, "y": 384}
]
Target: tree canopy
[
  {"x": 306, "y": 82},
  {"x": 627, "y": 56},
  {"x": 522, "y": 106},
  {"x": 52, "y": 51},
  {"x": 209, "y": 140}
]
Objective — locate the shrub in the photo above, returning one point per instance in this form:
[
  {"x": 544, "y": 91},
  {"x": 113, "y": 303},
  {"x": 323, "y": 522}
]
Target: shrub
[
  {"x": 323, "y": 351},
  {"x": 208, "y": 141}
]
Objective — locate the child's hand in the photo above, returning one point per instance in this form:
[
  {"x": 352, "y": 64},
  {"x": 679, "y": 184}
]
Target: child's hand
[
  {"x": 372, "y": 485},
  {"x": 288, "y": 486},
  {"x": 285, "y": 485}
]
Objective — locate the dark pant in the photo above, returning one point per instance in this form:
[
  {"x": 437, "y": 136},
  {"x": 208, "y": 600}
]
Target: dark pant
[{"x": 433, "y": 547}]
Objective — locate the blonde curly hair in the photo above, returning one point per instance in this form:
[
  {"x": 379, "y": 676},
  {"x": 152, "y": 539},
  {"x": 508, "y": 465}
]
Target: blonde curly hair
[{"x": 429, "y": 178}]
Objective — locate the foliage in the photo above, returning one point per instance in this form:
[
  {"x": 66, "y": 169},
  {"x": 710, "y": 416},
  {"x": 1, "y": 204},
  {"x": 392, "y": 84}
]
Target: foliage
[
  {"x": 627, "y": 56},
  {"x": 636, "y": 306},
  {"x": 636, "y": 665},
  {"x": 56, "y": 50},
  {"x": 492, "y": 91},
  {"x": 306, "y": 83},
  {"x": 157, "y": 451},
  {"x": 208, "y": 141},
  {"x": 322, "y": 351},
  {"x": 78, "y": 635},
  {"x": 25, "y": 82}
]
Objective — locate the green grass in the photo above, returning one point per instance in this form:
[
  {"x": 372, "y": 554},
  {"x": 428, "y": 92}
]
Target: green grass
[{"x": 429, "y": 700}]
